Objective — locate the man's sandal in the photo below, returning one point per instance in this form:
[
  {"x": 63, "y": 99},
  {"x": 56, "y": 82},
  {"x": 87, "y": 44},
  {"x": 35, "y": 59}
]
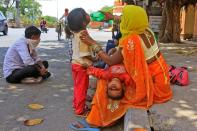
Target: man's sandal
[
  {"x": 82, "y": 125},
  {"x": 89, "y": 98}
]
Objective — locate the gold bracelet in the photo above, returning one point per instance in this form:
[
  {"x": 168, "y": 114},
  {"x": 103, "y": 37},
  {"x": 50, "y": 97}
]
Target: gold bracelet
[{"x": 96, "y": 48}]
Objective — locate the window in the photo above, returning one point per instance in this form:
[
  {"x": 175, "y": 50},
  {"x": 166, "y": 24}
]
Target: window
[{"x": 2, "y": 17}]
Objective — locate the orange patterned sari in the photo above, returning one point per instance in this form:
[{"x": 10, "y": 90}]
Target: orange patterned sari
[
  {"x": 151, "y": 81},
  {"x": 149, "y": 86}
]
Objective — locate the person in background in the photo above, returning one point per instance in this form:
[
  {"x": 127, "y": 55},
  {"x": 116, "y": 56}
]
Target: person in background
[
  {"x": 22, "y": 63},
  {"x": 43, "y": 24},
  {"x": 65, "y": 15},
  {"x": 66, "y": 29},
  {"x": 78, "y": 20},
  {"x": 116, "y": 34}
]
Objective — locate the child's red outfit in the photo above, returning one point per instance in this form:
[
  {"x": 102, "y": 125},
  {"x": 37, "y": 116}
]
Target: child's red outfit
[
  {"x": 80, "y": 77},
  {"x": 81, "y": 82},
  {"x": 116, "y": 71}
]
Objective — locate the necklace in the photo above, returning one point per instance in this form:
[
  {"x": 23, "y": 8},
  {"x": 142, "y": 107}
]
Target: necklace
[{"x": 113, "y": 105}]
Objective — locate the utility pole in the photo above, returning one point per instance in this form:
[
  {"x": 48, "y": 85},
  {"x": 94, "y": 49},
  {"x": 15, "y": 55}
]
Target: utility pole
[
  {"x": 17, "y": 13},
  {"x": 57, "y": 10},
  {"x": 33, "y": 11}
]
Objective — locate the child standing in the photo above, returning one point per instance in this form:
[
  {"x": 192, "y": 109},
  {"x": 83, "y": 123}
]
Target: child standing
[{"x": 78, "y": 20}]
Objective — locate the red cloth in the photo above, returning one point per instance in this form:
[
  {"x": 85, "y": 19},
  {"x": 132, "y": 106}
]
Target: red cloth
[
  {"x": 81, "y": 82},
  {"x": 116, "y": 71}
]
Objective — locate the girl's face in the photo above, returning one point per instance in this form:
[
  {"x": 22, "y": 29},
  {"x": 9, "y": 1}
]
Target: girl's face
[{"x": 115, "y": 89}]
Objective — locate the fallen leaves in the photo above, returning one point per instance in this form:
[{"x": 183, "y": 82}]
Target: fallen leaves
[
  {"x": 35, "y": 106},
  {"x": 33, "y": 122}
]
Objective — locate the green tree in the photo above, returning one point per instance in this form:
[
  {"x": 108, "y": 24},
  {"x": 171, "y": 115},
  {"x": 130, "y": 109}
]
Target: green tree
[
  {"x": 30, "y": 9},
  {"x": 51, "y": 21},
  {"x": 5, "y": 5},
  {"x": 107, "y": 9}
]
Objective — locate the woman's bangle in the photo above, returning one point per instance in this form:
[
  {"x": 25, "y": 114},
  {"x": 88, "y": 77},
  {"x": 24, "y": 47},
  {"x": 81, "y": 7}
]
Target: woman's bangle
[
  {"x": 96, "y": 48},
  {"x": 99, "y": 52}
]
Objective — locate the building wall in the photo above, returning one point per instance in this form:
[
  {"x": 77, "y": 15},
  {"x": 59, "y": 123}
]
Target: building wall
[
  {"x": 187, "y": 22},
  {"x": 117, "y": 8},
  {"x": 195, "y": 23}
]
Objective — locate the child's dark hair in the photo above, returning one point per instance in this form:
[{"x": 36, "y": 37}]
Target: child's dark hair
[
  {"x": 76, "y": 19},
  {"x": 31, "y": 30}
]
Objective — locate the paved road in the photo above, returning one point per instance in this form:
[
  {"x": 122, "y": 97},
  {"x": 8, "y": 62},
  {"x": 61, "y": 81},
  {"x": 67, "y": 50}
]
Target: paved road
[{"x": 55, "y": 94}]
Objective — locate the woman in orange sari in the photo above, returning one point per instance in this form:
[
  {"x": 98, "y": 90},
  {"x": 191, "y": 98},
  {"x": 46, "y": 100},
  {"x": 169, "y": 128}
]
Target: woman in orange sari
[{"x": 144, "y": 63}]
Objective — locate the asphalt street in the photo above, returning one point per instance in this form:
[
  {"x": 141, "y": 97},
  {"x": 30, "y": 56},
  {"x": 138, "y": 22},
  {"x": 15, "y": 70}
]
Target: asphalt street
[{"x": 55, "y": 94}]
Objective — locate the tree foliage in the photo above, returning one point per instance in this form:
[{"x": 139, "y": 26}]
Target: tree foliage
[
  {"x": 30, "y": 9},
  {"x": 50, "y": 20},
  {"x": 6, "y": 4},
  {"x": 107, "y": 9}
]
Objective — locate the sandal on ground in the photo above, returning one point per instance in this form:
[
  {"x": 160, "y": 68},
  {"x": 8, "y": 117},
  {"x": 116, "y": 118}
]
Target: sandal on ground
[
  {"x": 82, "y": 125},
  {"x": 89, "y": 98},
  {"x": 87, "y": 108},
  {"x": 31, "y": 80}
]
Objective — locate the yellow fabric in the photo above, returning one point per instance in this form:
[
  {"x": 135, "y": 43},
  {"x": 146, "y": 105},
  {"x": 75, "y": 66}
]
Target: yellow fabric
[{"x": 134, "y": 20}]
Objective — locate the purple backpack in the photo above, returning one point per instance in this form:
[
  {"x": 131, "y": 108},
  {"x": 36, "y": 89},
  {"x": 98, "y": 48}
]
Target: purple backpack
[{"x": 179, "y": 75}]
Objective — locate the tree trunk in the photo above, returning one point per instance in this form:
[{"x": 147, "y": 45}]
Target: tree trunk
[
  {"x": 170, "y": 27},
  {"x": 176, "y": 24}
]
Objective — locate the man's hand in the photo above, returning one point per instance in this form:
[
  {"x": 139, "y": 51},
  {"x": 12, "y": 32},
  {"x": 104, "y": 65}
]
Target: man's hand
[{"x": 43, "y": 71}]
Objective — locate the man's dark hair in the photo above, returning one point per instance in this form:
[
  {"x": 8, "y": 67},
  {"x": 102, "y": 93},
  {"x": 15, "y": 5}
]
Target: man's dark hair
[
  {"x": 31, "y": 30},
  {"x": 76, "y": 19}
]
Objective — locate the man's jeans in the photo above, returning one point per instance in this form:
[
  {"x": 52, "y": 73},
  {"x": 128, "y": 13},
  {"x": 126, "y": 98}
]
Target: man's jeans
[{"x": 28, "y": 71}]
